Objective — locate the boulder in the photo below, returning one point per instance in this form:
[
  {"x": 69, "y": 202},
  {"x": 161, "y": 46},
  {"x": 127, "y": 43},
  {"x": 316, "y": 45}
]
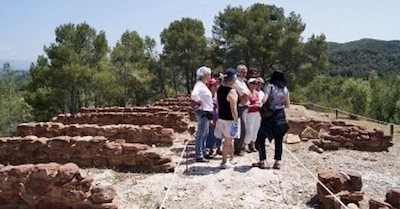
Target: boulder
[{"x": 292, "y": 139}]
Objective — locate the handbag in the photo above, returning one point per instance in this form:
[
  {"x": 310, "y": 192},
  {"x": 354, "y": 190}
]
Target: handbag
[
  {"x": 266, "y": 109},
  {"x": 194, "y": 105}
]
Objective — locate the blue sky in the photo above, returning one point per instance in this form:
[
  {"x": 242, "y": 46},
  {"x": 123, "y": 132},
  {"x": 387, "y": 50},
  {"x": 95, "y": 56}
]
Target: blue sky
[{"x": 28, "y": 25}]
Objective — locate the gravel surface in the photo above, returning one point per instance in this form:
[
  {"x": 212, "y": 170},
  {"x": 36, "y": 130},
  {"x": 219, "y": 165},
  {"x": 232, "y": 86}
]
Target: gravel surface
[{"x": 205, "y": 185}]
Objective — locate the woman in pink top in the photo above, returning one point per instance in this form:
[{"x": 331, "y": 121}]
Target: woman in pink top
[
  {"x": 253, "y": 117},
  {"x": 212, "y": 141}
]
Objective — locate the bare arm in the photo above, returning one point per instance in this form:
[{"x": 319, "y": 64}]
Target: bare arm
[
  {"x": 232, "y": 99},
  {"x": 244, "y": 93},
  {"x": 287, "y": 102}
]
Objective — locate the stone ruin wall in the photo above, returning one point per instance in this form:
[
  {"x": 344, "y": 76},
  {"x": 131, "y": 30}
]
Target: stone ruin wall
[
  {"x": 331, "y": 135},
  {"x": 86, "y": 151},
  {"x": 97, "y": 137},
  {"x": 145, "y": 134},
  {"x": 52, "y": 186},
  {"x": 176, "y": 120},
  {"x": 347, "y": 186},
  {"x": 177, "y": 104}
]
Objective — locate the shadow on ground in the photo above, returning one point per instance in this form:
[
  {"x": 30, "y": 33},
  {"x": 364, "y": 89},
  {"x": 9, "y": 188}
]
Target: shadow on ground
[{"x": 202, "y": 170}]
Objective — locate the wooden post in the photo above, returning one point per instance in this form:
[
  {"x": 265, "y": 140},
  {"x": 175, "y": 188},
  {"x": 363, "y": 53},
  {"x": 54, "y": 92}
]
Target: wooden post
[
  {"x": 392, "y": 130},
  {"x": 337, "y": 113}
]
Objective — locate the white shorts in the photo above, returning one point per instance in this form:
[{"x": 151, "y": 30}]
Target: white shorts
[{"x": 223, "y": 129}]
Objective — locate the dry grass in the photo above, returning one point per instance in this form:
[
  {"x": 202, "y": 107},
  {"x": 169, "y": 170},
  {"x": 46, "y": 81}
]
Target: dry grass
[{"x": 372, "y": 125}]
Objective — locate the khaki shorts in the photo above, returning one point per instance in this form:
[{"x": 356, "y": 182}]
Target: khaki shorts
[{"x": 223, "y": 129}]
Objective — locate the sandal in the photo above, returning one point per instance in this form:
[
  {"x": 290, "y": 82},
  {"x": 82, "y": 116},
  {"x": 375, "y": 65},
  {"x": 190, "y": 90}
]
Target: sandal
[
  {"x": 276, "y": 166},
  {"x": 259, "y": 165}
]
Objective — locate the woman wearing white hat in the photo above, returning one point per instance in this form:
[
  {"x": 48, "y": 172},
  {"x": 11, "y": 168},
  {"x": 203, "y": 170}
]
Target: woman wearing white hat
[{"x": 253, "y": 117}]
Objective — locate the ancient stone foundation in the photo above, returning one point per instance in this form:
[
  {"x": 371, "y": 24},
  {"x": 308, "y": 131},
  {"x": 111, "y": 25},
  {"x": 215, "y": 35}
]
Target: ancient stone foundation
[
  {"x": 176, "y": 120},
  {"x": 298, "y": 125},
  {"x": 331, "y": 135},
  {"x": 146, "y": 134},
  {"x": 353, "y": 137},
  {"x": 86, "y": 151},
  {"x": 45, "y": 186},
  {"x": 148, "y": 109},
  {"x": 176, "y": 104},
  {"x": 392, "y": 200},
  {"x": 346, "y": 185}
]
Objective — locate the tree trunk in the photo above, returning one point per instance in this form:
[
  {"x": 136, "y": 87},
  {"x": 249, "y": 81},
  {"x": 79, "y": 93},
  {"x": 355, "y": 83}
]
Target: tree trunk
[
  {"x": 188, "y": 79},
  {"x": 174, "y": 75},
  {"x": 72, "y": 107}
]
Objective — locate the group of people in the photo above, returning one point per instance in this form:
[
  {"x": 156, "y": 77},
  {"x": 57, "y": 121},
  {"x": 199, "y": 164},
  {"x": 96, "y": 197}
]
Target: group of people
[{"x": 228, "y": 110}]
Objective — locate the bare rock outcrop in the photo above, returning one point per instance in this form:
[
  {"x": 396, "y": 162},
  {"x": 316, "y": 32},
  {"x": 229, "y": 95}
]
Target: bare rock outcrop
[
  {"x": 85, "y": 151},
  {"x": 52, "y": 186},
  {"x": 146, "y": 134}
]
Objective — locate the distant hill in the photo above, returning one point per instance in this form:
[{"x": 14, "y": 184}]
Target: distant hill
[
  {"x": 16, "y": 64},
  {"x": 359, "y": 58}
]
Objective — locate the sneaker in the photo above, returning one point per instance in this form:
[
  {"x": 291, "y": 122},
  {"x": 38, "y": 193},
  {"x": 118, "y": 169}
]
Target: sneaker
[
  {"x": 219, "y": 152},
  {"x": 226, "y": 165},
  {"x": 201, "y": 160}
]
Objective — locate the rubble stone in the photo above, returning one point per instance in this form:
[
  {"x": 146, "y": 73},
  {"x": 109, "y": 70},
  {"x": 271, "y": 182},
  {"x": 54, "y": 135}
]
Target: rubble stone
[{"x": 38, "y": 186}]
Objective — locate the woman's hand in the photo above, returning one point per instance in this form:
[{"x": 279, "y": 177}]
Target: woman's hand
[{"x": 212, "y": 123}]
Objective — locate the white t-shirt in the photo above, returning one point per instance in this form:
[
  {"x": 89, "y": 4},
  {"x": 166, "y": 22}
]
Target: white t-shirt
[
  {"x": 202, "y": 93},
  {"x": 241, "y": 87}
]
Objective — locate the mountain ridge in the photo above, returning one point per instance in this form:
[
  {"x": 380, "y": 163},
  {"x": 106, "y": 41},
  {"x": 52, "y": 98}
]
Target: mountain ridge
[
  {"x": 359, "y": 58},
  {"x": 16, "y": 64}
]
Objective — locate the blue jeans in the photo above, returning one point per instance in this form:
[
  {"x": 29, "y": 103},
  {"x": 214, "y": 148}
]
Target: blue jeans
[
  {"x": 212, "y": 141},
  {"x": 201, "y": 133}
]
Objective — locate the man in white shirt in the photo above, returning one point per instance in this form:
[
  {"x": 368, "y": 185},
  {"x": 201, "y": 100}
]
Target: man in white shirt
[{"x": 244, "y": 96}]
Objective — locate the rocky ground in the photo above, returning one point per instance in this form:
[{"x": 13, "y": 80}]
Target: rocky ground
[{"x": 205, "y": 185}]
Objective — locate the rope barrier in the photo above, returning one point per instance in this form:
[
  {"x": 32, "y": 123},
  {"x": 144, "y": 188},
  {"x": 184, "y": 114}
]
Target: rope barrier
[
  {"x": 173, "y": 177},
  {"x": 343, "y": 111},
  {"x": 322, "y": 184}
]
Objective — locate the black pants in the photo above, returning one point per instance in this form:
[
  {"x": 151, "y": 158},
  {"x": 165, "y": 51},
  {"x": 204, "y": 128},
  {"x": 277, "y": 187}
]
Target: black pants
[
  {"x": 238, "y": 144},
  {"x": 260, "y": 146},
  {"x": 275, "y": 128}
]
